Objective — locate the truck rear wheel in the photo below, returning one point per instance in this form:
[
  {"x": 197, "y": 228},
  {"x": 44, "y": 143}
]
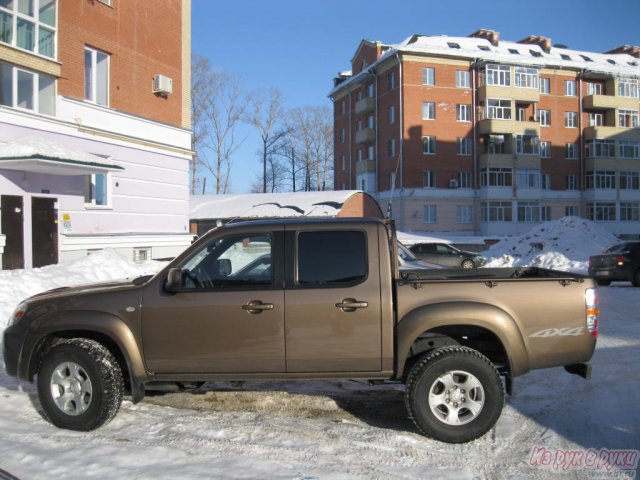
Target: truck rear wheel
[
  {"x": 80, "y": 385},
  {"x": 454, "y": 394}
]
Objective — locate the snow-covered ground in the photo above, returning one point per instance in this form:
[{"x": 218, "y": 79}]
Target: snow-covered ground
[{"x": 340, "y": 429}]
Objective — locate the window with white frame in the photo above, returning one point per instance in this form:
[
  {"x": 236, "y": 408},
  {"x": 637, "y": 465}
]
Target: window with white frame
[
  {"x": 391, "y": 80},
  {"x": 628, "y": 87},
  {"x": 496, "y": 212},
  {"x": 24, "y": 89},
  {"x": 601, "y": 212},
  {"x": 463, "y": 113},
  {"x": 498, "y": 75},
  {"x": 371, "y": 121},
  {"x": 358, "y": 125},
  {"x": 342, "y": 162},
  {"x": 429, "y": 179},
  {"x": 571, "y": 151},
  {"x": 629, "y": 181},
  {"x": 359, "y": 155},
  {"x": 571, "y": 211},
  {"x": 392, "y": 114},
  {"x": 392, "y": 180},
  {"x": 526, "y": 77},
  {"x": 571, "y": 119},
  {"x": 342, "y": 135},
  {"x": 601, "y": 148},
  {"x": 629, "y": 212},
  {"x": 464, "y": 214},
  {"x": 528, "y": 178},
  {"x": 528, "y": 212},
  {"x": 29, "y": 25},
  {"x": 496, "y": 177},
  {"x": 464, "y": 146},
  {"x": 601, "y": 180},
  {"x": 430, "y": 214},
  {"x": 96, "y": 190},
  {"x": 429, "y": 145},
  {"x": 569, "y": 88},
  {"x": 545, "y": 117},
  {"x": 527, "y": 145},
  {"x": 545, "y": 213},
  {"x": 96, "y": 76},
  {"x": 546, "y": 181},
  {"x": 428, "y": 76},
  {"x": 629, "y": 149},
  {"x": 500, "y": 109},
  {"x": 464, "y": 179},
  {"x": 596, "y": 119},
  {"x": 594, "y": 88},
  {"x": 545, "y": 86},
  {"x": 343, "y": 107},
  {"x": 572, "y": 182},
  {"x": 370, "y": 152},
  {"x": 628, "y": 118},
  {"x": 428, "y": 110},
  {"x": 371, "y": 90},
  {"x": 462, "y": 79},
  {"x": 545, "y": 149},
  {"x": 391, "y": 147}
]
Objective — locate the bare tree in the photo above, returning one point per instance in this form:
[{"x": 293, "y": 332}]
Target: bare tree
[
  {"x": 201, "y": 92},
  {"x": 266, "y": 116}
]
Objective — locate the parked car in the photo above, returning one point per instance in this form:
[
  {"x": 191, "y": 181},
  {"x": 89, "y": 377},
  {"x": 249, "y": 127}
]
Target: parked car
[
  {"x": 619, "y": 262},
  {"x": 407, "y": 260},
  {"x": 447, "y": 255}
]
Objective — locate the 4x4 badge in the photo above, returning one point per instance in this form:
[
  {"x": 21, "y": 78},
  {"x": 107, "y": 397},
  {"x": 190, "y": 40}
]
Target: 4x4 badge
[{"x": 558, "y": 332}]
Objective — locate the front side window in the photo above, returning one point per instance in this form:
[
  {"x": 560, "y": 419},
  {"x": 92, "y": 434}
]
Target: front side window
[
  {"x": 237, "y": 261},
  {"x": 29, "y": 25},
  {"x": 96, "y": 76},
  {"x": 21, "y": 88},
  {"x": 331, "y": 258},
  {"x": 96, "y": 189}
]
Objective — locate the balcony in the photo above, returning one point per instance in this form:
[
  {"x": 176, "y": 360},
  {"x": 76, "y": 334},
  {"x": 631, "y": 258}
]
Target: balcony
[
  {"x": 365, "y": 105},
  {"x": 519, "y": 94},
  {"x": 365, "y": 166},
  {"x": 514, "y": 127},
  {"x": 366, "y": 135},
  {"x": 614, "y": 133},
  {"x": 496, "y": 160},
  {"x": 608, "y": 102}
]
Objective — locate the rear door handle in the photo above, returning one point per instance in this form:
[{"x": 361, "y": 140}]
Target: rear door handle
[
  {"x": 351, "y": 304},
  {"x": 256, "y": 306}
]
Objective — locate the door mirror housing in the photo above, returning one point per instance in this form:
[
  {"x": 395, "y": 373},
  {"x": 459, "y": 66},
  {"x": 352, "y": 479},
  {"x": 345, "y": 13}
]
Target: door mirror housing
[
  {"x": 173, "y": 283},
  {"x": 223, "y": 267}
]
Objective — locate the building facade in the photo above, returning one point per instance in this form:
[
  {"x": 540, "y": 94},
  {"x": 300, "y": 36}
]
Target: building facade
[
  {"x": 95, "y": 139},
  {"x": 482, "y": 136}
]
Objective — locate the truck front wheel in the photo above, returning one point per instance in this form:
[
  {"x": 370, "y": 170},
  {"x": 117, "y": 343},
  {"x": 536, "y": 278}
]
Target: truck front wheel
[
  {"x": 80, "y": 384},
  {"x": 454, "y": 394}
]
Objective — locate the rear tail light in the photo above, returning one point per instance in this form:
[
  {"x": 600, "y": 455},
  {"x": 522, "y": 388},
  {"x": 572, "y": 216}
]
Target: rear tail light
[
  {"x": 592, "y": 310},
  {"x": 620, "y": 260}
]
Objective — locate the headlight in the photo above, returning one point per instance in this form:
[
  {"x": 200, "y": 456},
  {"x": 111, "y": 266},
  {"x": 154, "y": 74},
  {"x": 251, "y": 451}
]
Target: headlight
[{"x": 17, "y": 314}]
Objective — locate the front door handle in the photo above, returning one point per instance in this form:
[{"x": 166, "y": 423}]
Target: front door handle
[
  {"x": 351, "y": 304},
  {"x": 256, "y": 306}
]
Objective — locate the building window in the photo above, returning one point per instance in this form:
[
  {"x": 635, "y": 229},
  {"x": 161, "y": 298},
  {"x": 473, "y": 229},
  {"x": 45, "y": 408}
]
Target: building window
[
  {"x": 596, "y": 119},
  {"x": 545, "y": 214},
  {"x": 627, "y": 149},
  {"x": 391, "y": 80},
  {"x": 96, "y": 189},
  {"x": 370, "y": 151},
  {"x": 629, "y": 181},
  {"x": 430, "y": 214},
  {"x": 359, "y": 155},
  {"x": 371, "y": 90},
  {"x": 571, "y": 151},
  {"x": 343, "y": 165},
  {"x": 629, "y": 212},
  {"x": 429, "y": 179},
  {"x": 464, "y": 179},
  {"x": 464, "y": 146},
  {"x": 545, "y": 86},
  {"x": 527, "y": 145},
  {"x": 342, "y": 135},
  {"x": 96, "y": 76},
  {"x": 601, "y": 149},
  {"x": 545, "y": 181},
  {"x": 429, "y": 145},
  {"x": 528, "y": 212},
  {"x": 359, "y": 96},
  {"x": 371, "y": 121},
  {"x": 500, "y": 109},
  {"x": 601, "y": 180},
  {"x": 20, "y": 88},
  {"x": 463, "y": 113},
  {"x": 545, "y": 149},
  {"x": 569, "y": 88},
  {"x": 343, "y": 107},
  {"x": 601, "y": 212},
  {"x": 464, "y": 214},
  {"x": 462, "y": 79},
  {"x": 428, "y": 76},
  {"x": 428, "y": 111},
  {"x": 498, "y": 75},
  {"x": 594, "y": 88},
  {"x": 571, "y": 119},
  {"x": 545, "y": 117},
  {"x": 29, "y": 25},
  {"x": 526, "y": 77},
  {"x": 497, "y": 212},
  {"x": 628, "y": 87},
  {"x": 571, "y": 211},
  {"x": 572, "y": 182},
  {"x": 496, "y": 177},
  {"x": 391, "y": 146},
  {"x": 528, "y": 178},
  {"x": 392, "y": 114},
  {"x": 141, "y": 254},
  {"x": 392, "y": 181},
  {"x": 628, "y": 118}
]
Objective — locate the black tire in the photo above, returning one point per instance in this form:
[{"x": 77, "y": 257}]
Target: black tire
[
  {"x": 467, "y": 263},
  {"x": 80, "y": 385},
  {"x": 603, "y": 283},
  {"x": 465, "y": 366}
]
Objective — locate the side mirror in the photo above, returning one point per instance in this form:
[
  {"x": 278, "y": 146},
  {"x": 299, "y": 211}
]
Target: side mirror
[
  {"x": 173, "y": 283},
  {"x": 223, "y": 265}
]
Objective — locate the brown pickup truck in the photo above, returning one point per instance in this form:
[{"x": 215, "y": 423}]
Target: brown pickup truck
[{"x": 303, "y": 300}]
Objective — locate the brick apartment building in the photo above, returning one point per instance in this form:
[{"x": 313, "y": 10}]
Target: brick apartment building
[
  {"x": 476, "y": 135},
  {"x": 95, "y": 137}
]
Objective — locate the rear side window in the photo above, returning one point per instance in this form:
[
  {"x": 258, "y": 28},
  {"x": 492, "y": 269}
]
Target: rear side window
[{"x": 331, "y": 258}]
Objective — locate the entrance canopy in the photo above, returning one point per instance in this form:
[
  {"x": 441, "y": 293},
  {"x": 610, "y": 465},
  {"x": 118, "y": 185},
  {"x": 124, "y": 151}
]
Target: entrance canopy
[{"x": 37, "y": 155}]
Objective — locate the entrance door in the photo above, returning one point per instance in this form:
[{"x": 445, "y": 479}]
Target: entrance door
[
  {"x": 44, "y": 236},
  {"x": 13, "y": 229}
]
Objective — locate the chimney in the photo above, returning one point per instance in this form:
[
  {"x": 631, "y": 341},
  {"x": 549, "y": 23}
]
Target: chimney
[
  {"x": 542, "y": 42},
  {"x": 491, "y": 35},
  {"x": 628, "y": 49}
]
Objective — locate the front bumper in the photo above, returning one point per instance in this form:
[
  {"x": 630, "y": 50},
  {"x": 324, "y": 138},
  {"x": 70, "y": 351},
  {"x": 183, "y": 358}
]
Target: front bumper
[{"x": 11, "y": 345}]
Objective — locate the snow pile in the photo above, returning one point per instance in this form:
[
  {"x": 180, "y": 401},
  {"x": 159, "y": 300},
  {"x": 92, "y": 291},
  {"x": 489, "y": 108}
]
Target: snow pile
[
  {"x": 564, "y": 244},
  {"x": 102, "y": 266}
]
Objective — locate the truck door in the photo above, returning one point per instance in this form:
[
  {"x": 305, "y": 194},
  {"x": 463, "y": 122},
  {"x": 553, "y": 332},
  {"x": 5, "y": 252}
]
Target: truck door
[
  {"x": 227, "y": 316},
  {"x": 333, "y": 306}
]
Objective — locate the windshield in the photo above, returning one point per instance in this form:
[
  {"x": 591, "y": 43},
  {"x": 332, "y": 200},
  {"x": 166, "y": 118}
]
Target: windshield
[{"x": 618, "y": 247}]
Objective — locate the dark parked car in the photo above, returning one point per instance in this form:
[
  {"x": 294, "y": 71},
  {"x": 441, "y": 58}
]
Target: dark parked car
[
  {"x": 619, "y": 262},
  {"x": 447, "y": 255}
]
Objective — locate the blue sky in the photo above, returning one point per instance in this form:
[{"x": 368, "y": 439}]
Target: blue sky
[{"x": 300, "y": 45}]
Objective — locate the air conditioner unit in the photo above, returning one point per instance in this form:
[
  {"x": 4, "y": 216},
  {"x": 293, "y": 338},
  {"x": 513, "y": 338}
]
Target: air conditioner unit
[
  {"x": 453, "y": 183},
  {"x": 162, "y": 84}
]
